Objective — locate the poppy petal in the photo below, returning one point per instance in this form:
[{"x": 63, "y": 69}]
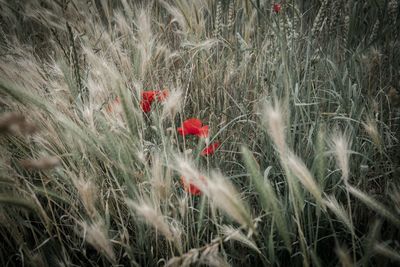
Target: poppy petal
[
  {"x": 191, "y": 187},
  {"x": 192, "y": 123},
  {"x": 146, "y": 106},
  {"x": 147, "y": 99},
  {"x": 190, "y": 126},
  {"x": 148, "y": 95},
  {"x": 181, "y": 131},
  {"x": 277, "y": 7},
  {"x": 209, "y": 150}
]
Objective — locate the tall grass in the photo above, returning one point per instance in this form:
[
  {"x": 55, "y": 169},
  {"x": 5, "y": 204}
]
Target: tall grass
[{"x": 304, "y": 101}]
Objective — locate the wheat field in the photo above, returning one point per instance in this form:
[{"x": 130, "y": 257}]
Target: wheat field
[{"x": 199, "y": 133}]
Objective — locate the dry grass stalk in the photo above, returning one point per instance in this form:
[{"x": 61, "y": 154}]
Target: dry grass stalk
[
  {"x": 388, "y": 252},
  {"x": 231, "y": 14},
  {"x": 208, "y": 255},
  {"x": 300, "y": 170},
  {"x": 276, "y": 126},
  {"x": 320, "y": 18},
  {"x": 88, "y": 193},
  {"x": 225, "y": 196},
  {"x": 172, "y": 105},
  {"x": 393, "y": 10},
  {"x": 146, "y": 40},
  {"x": 96, "y": 235},
  {"x": 232, "y": 233},
  {"x": 332, "y": 203},
  {"x": 372, "y": 129},
  {"x": 340, "y": 145},
  {"x": 192, "y": 175},
  {"x": 374, "y": 32},
  {"x": 218, "y": 20},
  {"x": 223, "y": 193},
  {"x": 160, "y": 181},
  {"x": 374, "y": 205},
  {"x": 152, "y": 217}
]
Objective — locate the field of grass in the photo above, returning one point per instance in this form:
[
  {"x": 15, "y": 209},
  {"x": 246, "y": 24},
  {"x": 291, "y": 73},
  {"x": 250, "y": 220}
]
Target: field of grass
[{"x": 100, "y": 167}]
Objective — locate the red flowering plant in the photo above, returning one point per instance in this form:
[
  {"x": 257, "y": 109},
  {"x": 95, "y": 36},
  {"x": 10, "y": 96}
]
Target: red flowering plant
[
  {"x": 193, "y": 126},
  {"x": 192, "y": 187},
  {"x": 277, "y": 8},
  {"x": 148, "y": 97},
  {"x": 210, "y": 149}
]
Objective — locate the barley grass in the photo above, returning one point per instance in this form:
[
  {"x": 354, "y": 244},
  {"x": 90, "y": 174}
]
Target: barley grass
[{"x": 303, "y": 102}]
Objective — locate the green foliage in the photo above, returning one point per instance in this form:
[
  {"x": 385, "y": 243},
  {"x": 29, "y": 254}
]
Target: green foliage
[{"x": 304, "y": 103}]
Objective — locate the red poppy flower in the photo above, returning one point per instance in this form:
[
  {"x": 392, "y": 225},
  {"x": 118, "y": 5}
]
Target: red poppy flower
[
  {"x": 210, "y": 149},
  {"x": 190, "y": 187},
  {"x": 148, "y": 98},
  {"x": 277, "y": 7},
  {"x": 193, "y": 126}
]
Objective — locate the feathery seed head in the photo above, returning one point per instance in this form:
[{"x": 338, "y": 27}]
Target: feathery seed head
[
  {"x": 88, "y": 192},
  {"x": 172, "y": 104},
  {"x": 275, "y": 126},
  {"x": 340, "y": 145},
  {"x": 151, "y": 216},
  {"x": 299, "y": 169},
  {"x": 96, "y": 235}
]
